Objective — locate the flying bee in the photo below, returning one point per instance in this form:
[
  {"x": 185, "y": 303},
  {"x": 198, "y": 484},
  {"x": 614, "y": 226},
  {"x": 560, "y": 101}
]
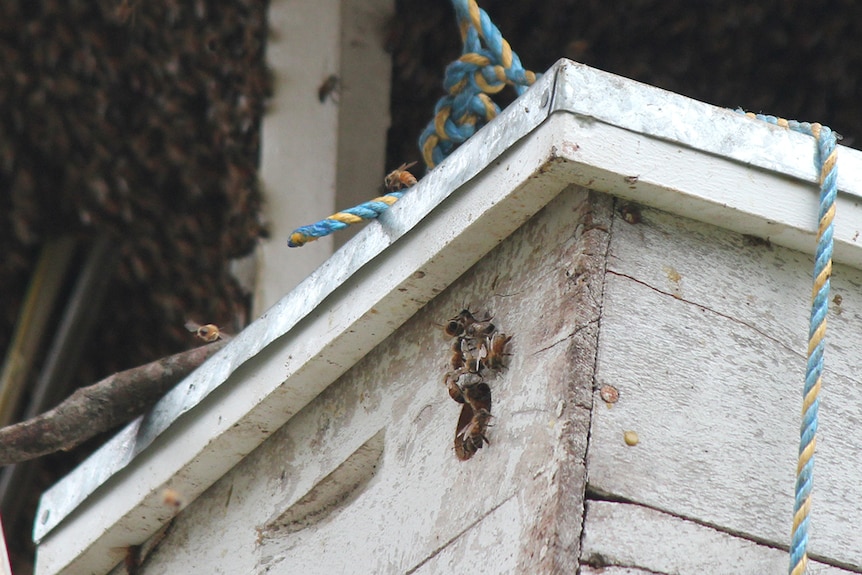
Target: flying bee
[
  {"x": 497, "y": 350},
  {"x": 328, "y": 88},
  {"x": 399, "y": 178},
  {"x": 209, "y": 332}
]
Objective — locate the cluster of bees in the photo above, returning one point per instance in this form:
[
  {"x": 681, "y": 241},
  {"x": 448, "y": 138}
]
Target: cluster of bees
[{"x": 477, "y": 348}]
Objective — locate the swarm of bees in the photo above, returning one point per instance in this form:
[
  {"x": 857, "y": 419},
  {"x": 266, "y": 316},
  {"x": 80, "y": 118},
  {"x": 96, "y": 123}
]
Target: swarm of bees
[{"x": 476, "y": 349}]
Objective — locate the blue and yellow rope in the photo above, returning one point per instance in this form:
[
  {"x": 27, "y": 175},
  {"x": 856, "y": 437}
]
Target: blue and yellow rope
[
  {"x": 469, "y": 82},
  {"x": 396, "y": 184},
  {"x": 826, "y": 161}
]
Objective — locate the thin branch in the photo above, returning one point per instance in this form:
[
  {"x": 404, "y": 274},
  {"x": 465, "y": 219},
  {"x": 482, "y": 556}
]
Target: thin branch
[{"x": 99, "y": 407}]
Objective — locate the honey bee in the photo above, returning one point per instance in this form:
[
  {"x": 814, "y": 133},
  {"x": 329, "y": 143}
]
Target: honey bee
[
  {"x": 464, "y": 421},
  {"x": 457, "y": 359},
  {"x": 497, "y": 350},
  {"x": 477, "y": 394},
  {"x": 456, "y": 326},
  {"x": 473, "y": 435},
  {"x": 399, "y": 178},
  {"x": 480, "y": 329},
  {"x": 475, "y": 413},
  {"x": 172, "y": 498},
  {"x": 132, "y": 560},
  {"x": 477, "y": 346},
  {"x": 451, "y": 382},
  {"x": 328, "y": 88},
  {"x": 209, "y": 332},
  {"x": 466, "y": 325}
]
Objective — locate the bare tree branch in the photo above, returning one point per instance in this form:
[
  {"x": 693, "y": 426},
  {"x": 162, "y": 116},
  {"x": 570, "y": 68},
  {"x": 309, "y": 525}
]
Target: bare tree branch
[{"x": 99, "y": 407}]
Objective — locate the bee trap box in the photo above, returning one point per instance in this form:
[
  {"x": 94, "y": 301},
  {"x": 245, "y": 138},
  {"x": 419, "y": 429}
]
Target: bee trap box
[{"x": 650, "y": 258}]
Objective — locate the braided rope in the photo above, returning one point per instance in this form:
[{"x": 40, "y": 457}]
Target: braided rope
[
  {"x": 826, "y": 161},
  {"x": 468, "y": 81},
  {"x": 396, "y": 184}
]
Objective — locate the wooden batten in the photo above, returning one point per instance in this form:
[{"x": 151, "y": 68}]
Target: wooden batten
[{"x": 650, "y": 256}]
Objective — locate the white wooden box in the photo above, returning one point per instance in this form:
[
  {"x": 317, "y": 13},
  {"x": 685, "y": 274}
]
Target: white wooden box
[{"x": 618, "y": 232}]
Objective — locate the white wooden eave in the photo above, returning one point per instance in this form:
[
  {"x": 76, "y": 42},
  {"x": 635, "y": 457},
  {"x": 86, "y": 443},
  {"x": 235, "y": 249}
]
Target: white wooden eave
[{"x": 576, "y": 125}]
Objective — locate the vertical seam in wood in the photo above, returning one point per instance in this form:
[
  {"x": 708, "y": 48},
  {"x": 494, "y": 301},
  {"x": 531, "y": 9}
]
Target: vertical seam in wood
[{"x": 600, "y": 305}]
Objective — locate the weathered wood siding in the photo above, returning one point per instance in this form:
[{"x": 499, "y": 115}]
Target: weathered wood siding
[
  {"x": 365, "y": 480},
  {"x": 703, "y": 333}
]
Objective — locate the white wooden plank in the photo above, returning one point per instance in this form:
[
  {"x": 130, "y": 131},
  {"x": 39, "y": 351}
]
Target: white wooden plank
[
  {"x": 491, "y": 545},
  {"x": 299, "y": 139},
  {"x": 705, "y": 187},
  {"x": 363, "y": 105},
  {"x": 319, "y": 156},
  {"x": 763, "y": 286},
  {"x": 625, "y": 539},
  {"x": 715, "y": 398},
  {"x": 662, "y": 115}
]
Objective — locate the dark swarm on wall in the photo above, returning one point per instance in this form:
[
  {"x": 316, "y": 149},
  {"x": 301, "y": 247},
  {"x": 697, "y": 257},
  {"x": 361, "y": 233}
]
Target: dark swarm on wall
[{"x": 139, "y": 120}]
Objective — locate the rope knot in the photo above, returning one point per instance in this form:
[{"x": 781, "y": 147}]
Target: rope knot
[{"x": 480, "y": 71}]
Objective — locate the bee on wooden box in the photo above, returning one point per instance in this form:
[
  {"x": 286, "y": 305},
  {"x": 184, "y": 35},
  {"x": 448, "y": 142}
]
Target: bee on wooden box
[
  {"x": 471, "y": 438},
  {"x": 477, "y": 346},
  {"x": 480, "y": 329},
  {"x": 456, "y": 326},
  {"x": 451, "y": 382},
  {"x": 497, "y": 350},
  {"x": 457, "y": 359}
]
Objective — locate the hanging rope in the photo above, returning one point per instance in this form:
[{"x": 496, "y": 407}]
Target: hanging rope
[
  {"x": 396, "y": 184},
  {"x": 479, "y": 71},
  {"x": 828, "y": 174}
]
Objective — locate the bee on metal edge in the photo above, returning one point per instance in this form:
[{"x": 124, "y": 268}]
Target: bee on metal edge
[
  {"x": 399, "y": 178},
  {"x": 208, "y": 333}
]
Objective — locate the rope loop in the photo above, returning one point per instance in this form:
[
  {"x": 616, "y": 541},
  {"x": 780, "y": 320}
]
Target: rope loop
[{"x": 486, "y": 66}]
